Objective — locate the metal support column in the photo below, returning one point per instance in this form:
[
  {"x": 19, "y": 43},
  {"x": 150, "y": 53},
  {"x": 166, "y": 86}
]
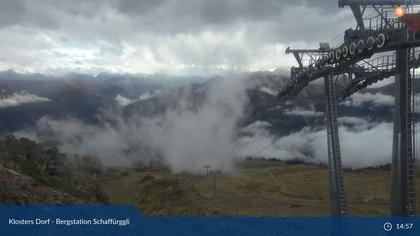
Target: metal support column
[
  {"x": 215, "y": 173},
  {"x": 402, "y": 186},
  {"x": 337, "y": 197}
]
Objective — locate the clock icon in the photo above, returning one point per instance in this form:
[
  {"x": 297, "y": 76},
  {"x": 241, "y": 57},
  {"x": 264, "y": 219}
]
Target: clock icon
[{"x": 387, "y": 226}]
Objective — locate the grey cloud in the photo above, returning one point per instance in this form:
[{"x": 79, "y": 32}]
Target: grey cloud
[
  {"x": 47, "y": 14},
  {"x": 216, "y": 11},
  {"x": 325, "y": 6},
  {"x": 138, "y": 7},
  {"x": 147, "y": 36},
  {"x": 167, "y": 16},
  {"x": 11, "y": 12},
  {"x": 222, "y": 11},
  {"x": 27, "y": 13},
  {"x": 280, "y": 20}
]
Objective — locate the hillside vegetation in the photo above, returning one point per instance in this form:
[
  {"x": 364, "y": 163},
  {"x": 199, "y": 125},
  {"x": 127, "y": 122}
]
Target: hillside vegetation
[{"x": 255, "y": 188}]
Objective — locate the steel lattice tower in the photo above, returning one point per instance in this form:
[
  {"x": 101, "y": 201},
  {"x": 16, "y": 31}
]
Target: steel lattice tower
[{"x": 383, "y": 33}]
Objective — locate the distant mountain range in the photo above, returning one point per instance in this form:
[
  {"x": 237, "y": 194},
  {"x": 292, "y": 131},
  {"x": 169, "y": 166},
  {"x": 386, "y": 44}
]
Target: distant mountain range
[
  {"x": 74, "y": 95},
  {"x": 27, "y": 97}
]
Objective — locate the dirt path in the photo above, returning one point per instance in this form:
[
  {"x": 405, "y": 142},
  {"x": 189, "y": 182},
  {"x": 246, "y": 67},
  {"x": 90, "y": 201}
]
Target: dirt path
[
  {"x": 370, "y": 197},
  {"x": 271, "y": 175}
]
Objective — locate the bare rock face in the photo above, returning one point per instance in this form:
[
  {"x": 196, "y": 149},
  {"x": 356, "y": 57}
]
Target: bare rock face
[
  {"x": 16, "y": 188},
  {"x": 30, "y": 174}
]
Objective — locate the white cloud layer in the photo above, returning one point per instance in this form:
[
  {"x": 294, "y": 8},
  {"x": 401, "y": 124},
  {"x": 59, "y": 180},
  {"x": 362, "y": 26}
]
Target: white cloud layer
[
  {"x": 124, "y": 101},
  {"x": 363, "y": 148},
  {"x": 268, "y": 90},
  {"x": 377, "y": 99},
  {"x": 184, "y": 139},
  {"x": 298, "y": 111},
  {"x": 21, "y": 98}
]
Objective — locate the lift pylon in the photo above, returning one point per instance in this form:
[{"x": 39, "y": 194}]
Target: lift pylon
[
  {"x": 384, "y": 33},
  {"x": 336, "y": 180}
]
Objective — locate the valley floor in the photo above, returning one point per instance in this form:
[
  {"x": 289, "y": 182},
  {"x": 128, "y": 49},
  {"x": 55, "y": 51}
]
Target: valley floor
[{"x": 256, "y": 188}]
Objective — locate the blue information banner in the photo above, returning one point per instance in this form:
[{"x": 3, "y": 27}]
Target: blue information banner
[{"x": 127, "y": 220}]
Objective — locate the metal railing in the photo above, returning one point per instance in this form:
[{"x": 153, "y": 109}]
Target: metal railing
[
  {"x": 384, "y": 19},
  {"x": 382, "y": 63}
]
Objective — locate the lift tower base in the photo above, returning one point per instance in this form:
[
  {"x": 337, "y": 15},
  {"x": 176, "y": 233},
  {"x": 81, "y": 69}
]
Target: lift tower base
[{"x": 402, "y": 184}]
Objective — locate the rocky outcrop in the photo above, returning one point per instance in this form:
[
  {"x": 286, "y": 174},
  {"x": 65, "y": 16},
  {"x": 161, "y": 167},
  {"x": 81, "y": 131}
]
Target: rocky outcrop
[
  {"x": 16, "y": 188},
  {"x": 30, "y": 174}
]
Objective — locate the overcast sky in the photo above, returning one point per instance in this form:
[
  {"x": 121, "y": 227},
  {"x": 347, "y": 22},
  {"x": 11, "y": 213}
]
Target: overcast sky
[{"x": 162, "y": 36}]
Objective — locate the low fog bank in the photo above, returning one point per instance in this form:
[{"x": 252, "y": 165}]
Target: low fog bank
[
  {"x": 21, "y": 98},
  {"x": 365, "y": 145},
  {"x": 186, "y": 139}
]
